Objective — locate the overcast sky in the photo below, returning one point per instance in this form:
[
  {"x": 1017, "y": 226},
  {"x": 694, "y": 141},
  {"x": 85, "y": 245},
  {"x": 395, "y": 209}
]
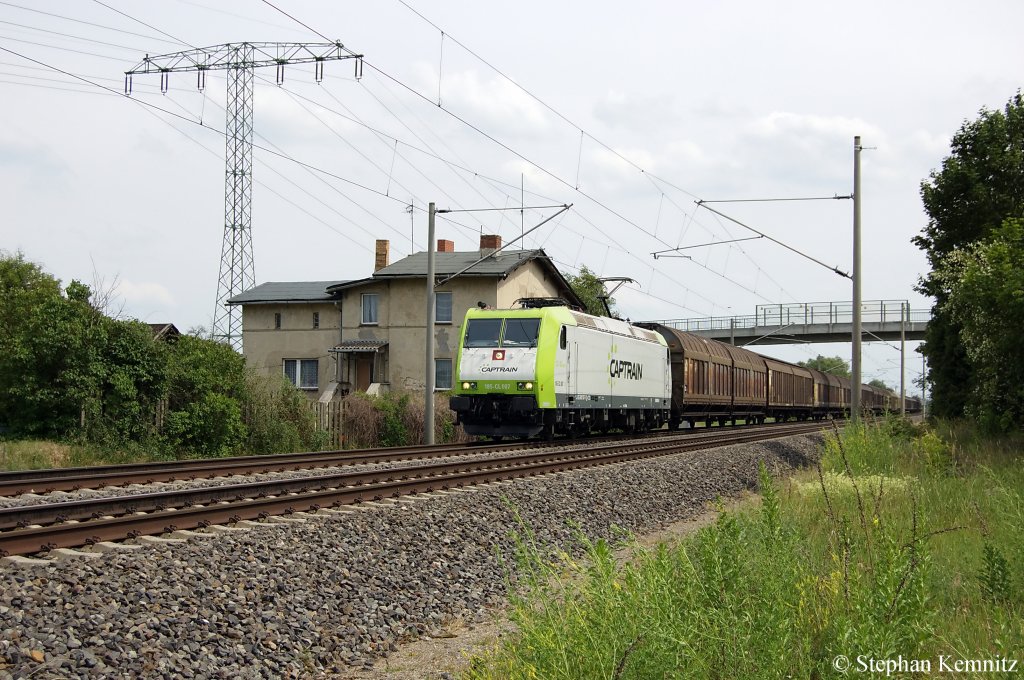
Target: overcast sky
[{"x": 629, "y": 111}]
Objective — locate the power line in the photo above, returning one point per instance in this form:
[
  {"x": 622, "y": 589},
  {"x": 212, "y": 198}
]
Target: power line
[
  {"x": 523, "y": 157},
  {"x": 87, "y": 23}
]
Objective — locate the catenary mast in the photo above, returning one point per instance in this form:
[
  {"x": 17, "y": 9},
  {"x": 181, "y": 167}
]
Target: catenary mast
[{"x": 240, "y": 60}]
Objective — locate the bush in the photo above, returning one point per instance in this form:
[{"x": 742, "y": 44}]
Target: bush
[
  {"x": 278, "y": 417},
  {"x": 211, "y": 426},
  {"x": 396, "y": 419}
]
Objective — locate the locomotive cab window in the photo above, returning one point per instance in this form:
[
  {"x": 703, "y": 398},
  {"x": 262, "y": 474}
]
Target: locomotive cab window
[
  {"x": 483, "y": 333},
  {"x": 561, "y": 339},
  {"x": 521, "y": 332}
]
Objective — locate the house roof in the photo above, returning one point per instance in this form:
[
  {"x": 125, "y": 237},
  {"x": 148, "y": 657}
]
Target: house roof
[
  {"x": 287, "y": 291},
  {"x": 446, "y": 264},
  {"x": 413, "y": 266},
  {"x": 164, "y": 331}
]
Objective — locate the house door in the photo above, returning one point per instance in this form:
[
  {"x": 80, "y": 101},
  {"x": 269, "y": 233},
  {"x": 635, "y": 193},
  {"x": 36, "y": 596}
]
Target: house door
[{"x": 364, "y": 372}]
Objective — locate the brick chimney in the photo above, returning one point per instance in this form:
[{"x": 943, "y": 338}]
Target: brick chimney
[
  {"x": 489, "y": 243},
  {"x": 445, "y": 246},
  {"x": 382, "y": 254}
]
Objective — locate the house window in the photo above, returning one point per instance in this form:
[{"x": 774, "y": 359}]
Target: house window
[
  {"x": 443, "y": 308},
  {"x": 302, "y": 372},
  {"x": 277, "y": 319},
  {"x": 316, "y": 319},
  {"x": 442, "y": 374},
  {"x": 370, "y": 303}
]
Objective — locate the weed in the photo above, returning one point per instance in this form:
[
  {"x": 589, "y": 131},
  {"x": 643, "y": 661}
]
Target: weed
[{"x": 994, "y": 574}]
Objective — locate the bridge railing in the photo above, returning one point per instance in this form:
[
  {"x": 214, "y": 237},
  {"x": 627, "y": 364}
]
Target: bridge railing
[{"x": 807, "y": 314}]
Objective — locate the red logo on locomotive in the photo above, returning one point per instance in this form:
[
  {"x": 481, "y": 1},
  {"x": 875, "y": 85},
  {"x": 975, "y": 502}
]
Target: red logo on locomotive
[{"x": 498, "y": 355}]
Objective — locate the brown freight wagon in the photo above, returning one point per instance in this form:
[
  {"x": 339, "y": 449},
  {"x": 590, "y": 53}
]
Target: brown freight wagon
[
  {"x": 712, "y": 381},
  {"x": 790, "y": 390}
]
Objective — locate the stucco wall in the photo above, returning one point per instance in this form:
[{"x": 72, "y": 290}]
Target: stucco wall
[
  {"x": 530, "y": 280},
  {"x": 401, "y": 322},
  {"x": 266, "y": 347}
]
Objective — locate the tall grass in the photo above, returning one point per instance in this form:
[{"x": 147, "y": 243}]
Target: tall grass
[
  {"x": 28, "y": 454},
  {"x": 904, "y": 542}
]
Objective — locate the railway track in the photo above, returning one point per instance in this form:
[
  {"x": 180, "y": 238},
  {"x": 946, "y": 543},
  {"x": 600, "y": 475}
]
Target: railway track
[
  {"x": 104, "y": 476},
  {"x": 43, "y": 527}
]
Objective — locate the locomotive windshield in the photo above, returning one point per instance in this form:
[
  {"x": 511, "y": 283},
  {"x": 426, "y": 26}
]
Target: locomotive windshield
[
  {"x": 483, "y": 333},
  {"x": 487, "y": 333},
  {"x": 521, "y": 332}
]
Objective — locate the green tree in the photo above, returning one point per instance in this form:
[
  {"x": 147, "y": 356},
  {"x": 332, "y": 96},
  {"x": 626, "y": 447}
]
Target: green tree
[
  {"x": 834, "y": 365},
  {"x": 206, "y": 384},
  {"x": 980, "y": 184},
  {"x": 589, "y": 288},
  {"x": 984, "y": 285},
  {"x": 879, "y": 383},
  {"x": 132, "y": 383},
  {"x": 51, "y": 351}
]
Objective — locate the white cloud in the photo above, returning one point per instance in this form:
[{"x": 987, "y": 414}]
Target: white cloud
[
  {"x": 144, "y": 292},
  {"x": 495, "y": 104},
  {"x": 808, "y": 130}
]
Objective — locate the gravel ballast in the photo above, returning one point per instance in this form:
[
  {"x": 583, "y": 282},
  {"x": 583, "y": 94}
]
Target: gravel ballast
[{"x": 315, "y": 598}]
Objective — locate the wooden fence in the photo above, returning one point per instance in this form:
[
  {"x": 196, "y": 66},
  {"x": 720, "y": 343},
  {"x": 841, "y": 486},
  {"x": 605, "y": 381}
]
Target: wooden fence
[{"x": 330, "y": 418}]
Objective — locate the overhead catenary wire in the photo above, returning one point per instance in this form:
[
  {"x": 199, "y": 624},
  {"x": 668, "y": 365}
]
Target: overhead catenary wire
[
  {"x": 521, "y": 156},
  {"x": 617, "y": 244}
]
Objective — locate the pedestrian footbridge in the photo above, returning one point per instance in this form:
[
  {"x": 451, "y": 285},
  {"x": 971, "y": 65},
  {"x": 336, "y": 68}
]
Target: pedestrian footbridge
[{"x": 804, "y": 322}]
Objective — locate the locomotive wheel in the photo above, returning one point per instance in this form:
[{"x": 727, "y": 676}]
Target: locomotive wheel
[{"x": 548, "y": 432}]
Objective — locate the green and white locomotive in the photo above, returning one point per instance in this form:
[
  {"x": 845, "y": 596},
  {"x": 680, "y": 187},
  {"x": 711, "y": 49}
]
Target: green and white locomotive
[{"x": 543, "y": 370}]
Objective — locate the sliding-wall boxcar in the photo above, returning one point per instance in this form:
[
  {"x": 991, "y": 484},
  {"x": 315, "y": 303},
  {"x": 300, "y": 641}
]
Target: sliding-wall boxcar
[
  {"x": 713, "y": 381},
  {"x": 790, "y": 390}
]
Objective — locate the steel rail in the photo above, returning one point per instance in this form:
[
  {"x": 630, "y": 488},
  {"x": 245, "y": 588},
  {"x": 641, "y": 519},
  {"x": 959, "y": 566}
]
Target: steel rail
[
  {"x": 260, "y": 505},
  {"x": 74, "y": 479}
]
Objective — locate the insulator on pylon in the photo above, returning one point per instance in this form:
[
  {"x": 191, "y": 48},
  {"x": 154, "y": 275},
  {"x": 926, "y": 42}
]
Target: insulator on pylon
[
  {"x": 201, "y": 79},
  {"x": 318, "y": 71},
  {"x": 165, "y": 78},
  {"x": 127, "y": 83},
  {"x": 280, "y": 74},
  {"x": 359, "y": 68}
]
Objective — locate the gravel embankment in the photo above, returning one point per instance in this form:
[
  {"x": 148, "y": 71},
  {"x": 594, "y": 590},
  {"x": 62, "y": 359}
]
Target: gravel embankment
[{"x": 316, "y": 598}]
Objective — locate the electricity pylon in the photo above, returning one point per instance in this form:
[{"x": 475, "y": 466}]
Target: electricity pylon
[{"x": 237, "y": 272}]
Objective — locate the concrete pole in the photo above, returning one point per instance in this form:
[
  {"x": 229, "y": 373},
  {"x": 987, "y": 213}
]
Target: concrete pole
[
  {"x": 904, "y": 313},
  {"x": 428, "y": 397},
  {"x": 855, "y": 381},
  {"x": 924, "y": 381}
]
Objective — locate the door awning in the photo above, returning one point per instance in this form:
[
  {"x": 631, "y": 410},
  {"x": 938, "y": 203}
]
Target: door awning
[{"x": 350, "y": 346}]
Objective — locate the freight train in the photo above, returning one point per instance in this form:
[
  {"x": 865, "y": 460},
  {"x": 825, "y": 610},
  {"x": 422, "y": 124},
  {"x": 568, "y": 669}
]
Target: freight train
[{"x": 546, "y": 369}]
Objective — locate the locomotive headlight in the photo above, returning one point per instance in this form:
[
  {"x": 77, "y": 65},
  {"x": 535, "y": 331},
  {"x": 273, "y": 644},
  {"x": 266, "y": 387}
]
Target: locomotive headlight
[
  {"x": 465, "y": 385},
  {"x": 525, "y": 385}
]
